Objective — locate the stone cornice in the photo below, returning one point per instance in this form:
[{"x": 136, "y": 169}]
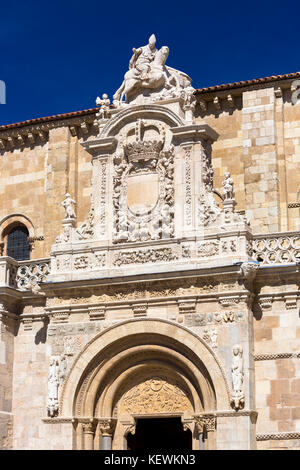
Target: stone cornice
[
  {"x": 37, "y": 133},
  {"x": 220, "y": 271}
]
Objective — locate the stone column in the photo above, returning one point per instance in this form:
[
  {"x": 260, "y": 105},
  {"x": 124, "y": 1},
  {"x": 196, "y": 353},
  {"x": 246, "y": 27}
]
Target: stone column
[
  {"x": 107, "y": 426},
  {"x": 203, "y": 425},
  {"x": 88, "y": 434}
]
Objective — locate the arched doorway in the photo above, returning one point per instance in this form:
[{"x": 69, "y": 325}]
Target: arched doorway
[
  {"x": 160, "y": 433},
  {"x": 142, "y": 370}
]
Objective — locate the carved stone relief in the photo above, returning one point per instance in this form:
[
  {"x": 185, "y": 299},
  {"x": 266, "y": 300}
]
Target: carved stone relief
[
  {"x": 155, "y": 395},
  {"x": 143, "y": 197}
]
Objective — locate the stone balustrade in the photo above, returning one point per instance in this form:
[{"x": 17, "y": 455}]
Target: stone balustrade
[
  {"x": 268, "y": 249},
  {"x": 23, "y": 275},
  {"x": 277, "y": 248}
]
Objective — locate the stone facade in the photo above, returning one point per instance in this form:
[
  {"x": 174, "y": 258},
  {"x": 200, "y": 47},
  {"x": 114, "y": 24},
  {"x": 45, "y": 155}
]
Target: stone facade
[{"x": 164, "y": 271}]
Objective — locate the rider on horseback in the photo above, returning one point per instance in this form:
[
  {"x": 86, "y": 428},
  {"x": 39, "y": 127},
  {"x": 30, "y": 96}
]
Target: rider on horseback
[{"x": 142, "y": 57}]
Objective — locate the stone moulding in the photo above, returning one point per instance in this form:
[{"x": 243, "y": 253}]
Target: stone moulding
[
  {"x": 272, "y": 357},
  {"x": 278, "y": 436}
]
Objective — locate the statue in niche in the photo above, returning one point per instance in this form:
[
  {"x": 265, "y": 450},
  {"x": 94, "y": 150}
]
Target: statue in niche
[
  {"x": 53, "y": 384},
  {"x": 237, "y": 372},
  {"x": 68, "y": 206},
  {"x": 56, "y": 376},
  {"x": 228, "y": 187}
]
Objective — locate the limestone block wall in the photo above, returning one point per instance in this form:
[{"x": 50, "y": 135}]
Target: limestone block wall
[
  {"x": 227, "y": 151},
  {"x": 291, "y": 142},
  {"x": 277, "y": 366},
  {"x": 6, "y": 379},
  {"x": 33, "y": 181}
]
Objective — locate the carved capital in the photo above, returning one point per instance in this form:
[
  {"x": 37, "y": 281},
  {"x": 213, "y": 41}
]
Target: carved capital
[
  {"x": 89, "y": 426},
  {"x": 205, "y": 423},
  {"x": 107, "y": 426}
]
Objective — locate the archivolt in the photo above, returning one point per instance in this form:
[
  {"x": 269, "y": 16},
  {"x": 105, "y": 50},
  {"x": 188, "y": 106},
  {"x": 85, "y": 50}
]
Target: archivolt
[{"x": 112, "y": 357}]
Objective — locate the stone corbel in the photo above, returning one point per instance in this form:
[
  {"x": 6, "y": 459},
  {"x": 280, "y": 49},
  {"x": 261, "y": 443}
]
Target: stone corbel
[
  {"x": 73, "y": 131},
  {"x": 278, "y": 92},
  {"x": 217, "y": 103},
  {"x": 97, "y": 313},
  {"x": 10, "y": 142},
  {"x": 20, "y": 139},
  {"x": 265, "y": 302},
  {"x": 290, "y": 302},
  {"x": 2, "y": 144},
  {"x": 31, "y": 138},
  {"x": 229, "y": 301},
  {"x": 139, "y": 310},
  {"x": 230, "y": 100},
  {"x": 84, "y": 128},
  {"x": 187, "y": 306},
  {"x": 203, "y": 105}
]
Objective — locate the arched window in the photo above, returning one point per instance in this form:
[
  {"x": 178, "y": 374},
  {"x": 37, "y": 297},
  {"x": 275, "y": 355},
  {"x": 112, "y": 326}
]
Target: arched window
[{"x": 17, "y": 243}]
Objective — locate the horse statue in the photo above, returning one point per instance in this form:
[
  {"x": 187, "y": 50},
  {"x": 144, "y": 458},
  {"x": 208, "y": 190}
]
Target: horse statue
[{"x": 157, "y": 77}]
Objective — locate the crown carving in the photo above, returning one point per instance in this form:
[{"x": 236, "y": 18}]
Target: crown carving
[{"x": 147, "y": 150}]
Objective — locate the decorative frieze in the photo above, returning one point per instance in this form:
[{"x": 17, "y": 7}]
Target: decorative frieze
[
  {"x": 208, "y": 249},
  {"x": 141, "y": 256}
]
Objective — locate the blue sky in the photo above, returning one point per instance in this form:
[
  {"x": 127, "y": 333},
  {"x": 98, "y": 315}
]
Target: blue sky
[{"x": 57, "y": 56}]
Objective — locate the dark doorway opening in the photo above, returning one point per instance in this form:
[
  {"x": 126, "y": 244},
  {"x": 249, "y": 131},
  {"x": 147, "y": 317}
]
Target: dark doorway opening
[{"x": 160, "y": 433}]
